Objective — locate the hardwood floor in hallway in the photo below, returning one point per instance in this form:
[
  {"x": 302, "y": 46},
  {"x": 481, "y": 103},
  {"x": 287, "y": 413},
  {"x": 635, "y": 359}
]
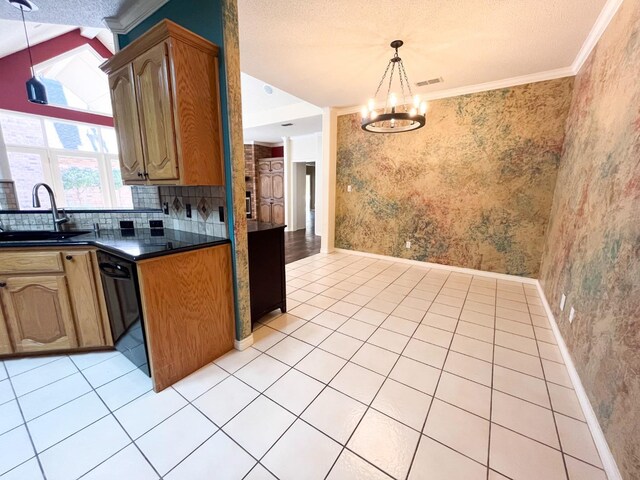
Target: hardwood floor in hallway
[{"x": 302, "y": 243}]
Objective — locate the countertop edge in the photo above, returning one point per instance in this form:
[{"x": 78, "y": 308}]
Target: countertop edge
[{"x": 112, "y": 250}]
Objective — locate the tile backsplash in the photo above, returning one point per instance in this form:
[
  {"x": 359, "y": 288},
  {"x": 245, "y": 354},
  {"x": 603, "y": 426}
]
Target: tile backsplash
[
  {"x": 204, "y": 203},
  {"x": 8, "y": 199}
]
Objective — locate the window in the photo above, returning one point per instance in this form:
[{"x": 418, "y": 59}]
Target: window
[
  {"x": 74, "y": 80},
  {"x": 78, "y": 160}
]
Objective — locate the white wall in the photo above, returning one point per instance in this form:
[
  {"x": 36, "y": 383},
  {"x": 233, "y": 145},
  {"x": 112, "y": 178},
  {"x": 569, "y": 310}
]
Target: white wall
[{"x": 298, "y": 152}]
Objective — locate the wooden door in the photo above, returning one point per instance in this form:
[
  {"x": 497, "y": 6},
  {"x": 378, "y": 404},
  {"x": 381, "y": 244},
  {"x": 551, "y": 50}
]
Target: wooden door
[
  {"x": 155, "y": 108},
  {"x": 125, "y": 121},
  {"x": 38, "y": 313},
  {"x": 83, "y": 290},
  {"x": 271, "y": 191}
]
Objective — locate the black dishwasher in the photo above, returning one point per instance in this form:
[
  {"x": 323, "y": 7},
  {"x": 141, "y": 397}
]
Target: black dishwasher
[{"x": 120, "y": 283}]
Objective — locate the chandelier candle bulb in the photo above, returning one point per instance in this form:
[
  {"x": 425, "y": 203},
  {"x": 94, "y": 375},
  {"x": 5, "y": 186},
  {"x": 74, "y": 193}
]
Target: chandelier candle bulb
[{"x": 402, "y": 110}]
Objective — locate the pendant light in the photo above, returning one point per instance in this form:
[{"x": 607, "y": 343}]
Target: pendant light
[
  {"x": 400, "y": 114},
  {"x": 36, "y": 91}
]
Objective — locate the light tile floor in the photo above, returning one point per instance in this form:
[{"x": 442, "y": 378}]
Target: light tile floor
[{"x": 379, "y": 370}]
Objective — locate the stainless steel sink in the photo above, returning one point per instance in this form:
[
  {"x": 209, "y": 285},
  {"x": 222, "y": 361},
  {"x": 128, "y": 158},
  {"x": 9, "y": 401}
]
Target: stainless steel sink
[{"x": 37, "y": 235}]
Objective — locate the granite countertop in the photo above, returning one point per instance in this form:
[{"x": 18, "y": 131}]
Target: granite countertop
[
  {"x": 255, "y": 226},
  {"x": 131, "y": 244}
]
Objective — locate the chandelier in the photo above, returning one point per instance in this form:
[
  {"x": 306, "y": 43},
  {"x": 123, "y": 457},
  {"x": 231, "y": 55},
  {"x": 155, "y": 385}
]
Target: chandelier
[{"x": 400, "y": 114}]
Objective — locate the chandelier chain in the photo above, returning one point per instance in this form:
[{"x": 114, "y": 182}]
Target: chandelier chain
[
  {"x": 406, "y": 79},
  {"x": 382, "y": 79},
  {"x": 393, "y": 68}
]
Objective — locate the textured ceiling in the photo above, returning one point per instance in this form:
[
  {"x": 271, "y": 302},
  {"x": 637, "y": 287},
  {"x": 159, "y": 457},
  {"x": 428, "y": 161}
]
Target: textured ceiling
[
  {"x": 274, "y": 132},
  {"x": 84, "y": 13},
  {"x": 333, "y": 52}
]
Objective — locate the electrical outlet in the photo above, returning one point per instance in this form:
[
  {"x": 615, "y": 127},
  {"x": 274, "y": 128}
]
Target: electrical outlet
[
  {"x": 348, "y": 188},
  {"x": 563, "y": 299},
  {"x": 408, "y": 244},
  {"x": 572, "y": 314}
]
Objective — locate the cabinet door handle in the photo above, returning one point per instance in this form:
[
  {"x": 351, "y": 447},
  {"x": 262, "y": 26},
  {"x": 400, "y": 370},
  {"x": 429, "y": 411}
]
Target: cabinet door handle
[
  {"x": 140, "y": 174},
  {"x": 3, "y": 284},
  {"x": 69, "y": 257}
]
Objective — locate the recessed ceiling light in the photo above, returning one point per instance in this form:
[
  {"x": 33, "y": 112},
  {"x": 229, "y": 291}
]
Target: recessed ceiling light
[
  {"x": 286, "y": 124},
  {"x": 268, "y": 89}
]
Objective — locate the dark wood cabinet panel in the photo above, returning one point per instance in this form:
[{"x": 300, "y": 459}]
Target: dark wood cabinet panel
[{"x": 267, "y": 282}]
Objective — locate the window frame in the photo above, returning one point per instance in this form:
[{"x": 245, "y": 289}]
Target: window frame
[{"x": 51, "y": 168}]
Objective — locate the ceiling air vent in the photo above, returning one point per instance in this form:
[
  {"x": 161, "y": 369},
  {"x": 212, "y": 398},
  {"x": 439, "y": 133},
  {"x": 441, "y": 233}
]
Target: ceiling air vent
[
  {"x": 430, "y": 82},
  {"x": 286, "y": 124}
]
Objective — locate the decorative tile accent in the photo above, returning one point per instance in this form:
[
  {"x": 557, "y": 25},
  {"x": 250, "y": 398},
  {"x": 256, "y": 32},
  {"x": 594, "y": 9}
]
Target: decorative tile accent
[{"x": 203, "y": 209}]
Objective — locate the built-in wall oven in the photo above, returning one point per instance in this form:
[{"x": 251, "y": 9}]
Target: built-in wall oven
[{"x": 120, "y": 283}]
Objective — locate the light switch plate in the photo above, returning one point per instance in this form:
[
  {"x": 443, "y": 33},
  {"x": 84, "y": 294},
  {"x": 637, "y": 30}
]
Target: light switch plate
[
  {"x": 572, "y": 314},
  {"x": 563, "y": 299},
  {"x": 408, "y": 244},
  {"x": 348, "y": 188}
]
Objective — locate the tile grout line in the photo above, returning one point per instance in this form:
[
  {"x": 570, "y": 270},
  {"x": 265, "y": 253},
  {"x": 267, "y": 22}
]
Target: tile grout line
[
  {"x": 374, "y": 397},
  {"x": 493, "y": 366},
  {"x": 555, "y": 423},
  {"x": 435, "y": 391},
  {"x": 24, "y": 424}
]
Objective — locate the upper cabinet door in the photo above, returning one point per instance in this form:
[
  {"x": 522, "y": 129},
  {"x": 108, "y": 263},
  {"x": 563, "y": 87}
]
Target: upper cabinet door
[
  {"x": 38, "y": 313},
  {"x": 125, "y": 119},
  {"x": 155, "y": 107}
]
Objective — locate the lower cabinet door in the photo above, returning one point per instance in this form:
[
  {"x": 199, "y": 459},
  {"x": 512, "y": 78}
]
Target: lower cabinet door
[{"x": 38, "y": 313}]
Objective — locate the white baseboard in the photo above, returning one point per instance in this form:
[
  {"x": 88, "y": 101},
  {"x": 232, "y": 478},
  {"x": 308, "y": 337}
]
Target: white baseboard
[
  {"x": 244, "y": 343},
  {"x": 418, "y": 263},
  {"x": 608, "y": 462}
]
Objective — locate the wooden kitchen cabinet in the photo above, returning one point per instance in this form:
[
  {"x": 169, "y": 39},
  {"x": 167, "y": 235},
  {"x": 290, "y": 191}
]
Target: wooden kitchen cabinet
[
  {"x": 51, "y": 300},
  {"x": 127, "y": 125},
  {"x": 166, "y": 106},
  {"x": 38, "y": 313}
]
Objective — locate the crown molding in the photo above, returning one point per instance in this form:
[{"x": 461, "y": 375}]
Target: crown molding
[
  {"x": 602, "y": 22},
  {"x": 481, "y": 87},
  {"x": 132, "y": 17}
]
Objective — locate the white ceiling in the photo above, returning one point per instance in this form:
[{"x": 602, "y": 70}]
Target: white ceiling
[
  {"x": 273, "y": 133},
  {"x": 263, "y": 114},
  {"x": 12, "y": 35},
  {"x": 69, "y": 12},
  {"x": 333, "y": 52}
]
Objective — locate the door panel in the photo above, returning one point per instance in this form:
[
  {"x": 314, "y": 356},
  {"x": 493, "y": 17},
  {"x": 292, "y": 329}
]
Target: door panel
[
  {"x": 277, "y": 166},
  {"x": 277, "y": 182},
  {"x": 125, "y": 120},
  {"x": 5, "y": 341},
  {"x": 264, "y": 166},
  {"x": 264, "y": 213},
  {"x": 266, "y": 187},
  {"x": 83, "y": 285},
  {"x": 39, "y": 313},
  {"x": 277, "y": 213},
  {"x": 155, "y": 107}
]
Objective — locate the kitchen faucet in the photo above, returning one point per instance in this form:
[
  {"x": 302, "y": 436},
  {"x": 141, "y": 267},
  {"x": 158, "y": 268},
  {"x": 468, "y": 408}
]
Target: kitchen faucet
[{"x": 58, "y": 219}]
